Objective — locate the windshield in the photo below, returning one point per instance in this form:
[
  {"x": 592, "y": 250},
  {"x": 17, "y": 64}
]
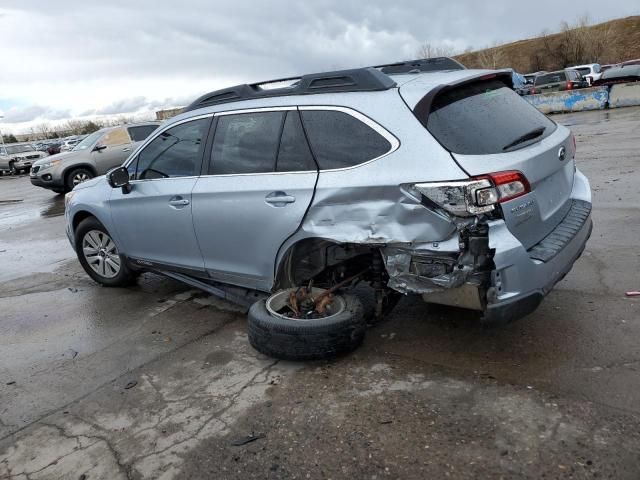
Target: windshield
[
  {"x": 89, "y": 141},
  {"x": 11, "y": 149}
]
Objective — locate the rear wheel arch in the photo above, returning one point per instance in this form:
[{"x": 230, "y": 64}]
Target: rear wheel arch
[{"x": 309, "y": 257}]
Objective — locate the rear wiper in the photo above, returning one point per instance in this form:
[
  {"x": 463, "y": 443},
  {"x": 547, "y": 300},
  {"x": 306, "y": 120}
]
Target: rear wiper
[{"x": 535, "y": 133}]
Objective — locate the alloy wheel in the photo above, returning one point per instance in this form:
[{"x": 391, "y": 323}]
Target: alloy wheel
[{"x": 101, "y": 254}]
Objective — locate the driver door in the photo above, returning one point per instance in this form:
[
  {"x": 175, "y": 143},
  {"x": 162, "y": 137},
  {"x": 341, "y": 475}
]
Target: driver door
[{"x": 154, "y": 220}]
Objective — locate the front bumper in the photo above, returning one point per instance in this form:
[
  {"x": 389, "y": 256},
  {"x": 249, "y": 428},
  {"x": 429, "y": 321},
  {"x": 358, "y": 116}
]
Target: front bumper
[{"x": 46, "y": 179}]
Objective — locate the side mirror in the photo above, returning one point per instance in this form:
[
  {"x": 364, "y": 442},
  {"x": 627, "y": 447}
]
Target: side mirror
[
  {"x": 99, "y": 148},
  {"x": 119, "y": 178}
]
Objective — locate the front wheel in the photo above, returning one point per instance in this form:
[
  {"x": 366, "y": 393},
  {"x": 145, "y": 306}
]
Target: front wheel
[
  {"x": 77, "y": 176},
  {"x": 99, "y": 256},
  {"x": 13, "y": 169}
]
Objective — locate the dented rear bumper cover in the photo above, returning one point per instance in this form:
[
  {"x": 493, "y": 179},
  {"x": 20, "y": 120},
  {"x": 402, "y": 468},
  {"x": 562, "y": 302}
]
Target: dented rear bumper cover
[{"x": 517, "y": 281}]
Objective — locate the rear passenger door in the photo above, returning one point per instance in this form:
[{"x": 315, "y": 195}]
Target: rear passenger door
[{"x": 253, "y": 194}]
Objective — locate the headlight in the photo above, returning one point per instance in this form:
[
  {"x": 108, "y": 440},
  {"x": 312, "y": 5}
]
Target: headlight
[
  {"x": 50, "y": 164},
  {"x": 68, "y": 197}
]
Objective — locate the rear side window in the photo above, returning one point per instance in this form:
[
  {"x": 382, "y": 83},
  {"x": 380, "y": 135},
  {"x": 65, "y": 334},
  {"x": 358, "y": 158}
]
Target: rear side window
[
  {"x": 176, "y": 152},
  {"x": 140, "y": 133},
  {"x": 294, "y": 154},
  {"x": 112, "y": 138},
  {"x": 483, "y": 118},
  {"x": 339, "y": 140},
  {"x": 246, "y": 143}
]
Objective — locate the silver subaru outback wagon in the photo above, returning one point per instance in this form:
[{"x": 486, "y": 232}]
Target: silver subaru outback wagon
[{"x": 321, "y": 203}]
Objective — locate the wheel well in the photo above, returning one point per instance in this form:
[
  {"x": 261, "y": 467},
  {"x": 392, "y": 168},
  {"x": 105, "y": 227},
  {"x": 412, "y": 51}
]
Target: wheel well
[
  {"x": 78, "y": 217},
  {"x": 75, "y": 167},
  {"x": 319, "y": 259}
]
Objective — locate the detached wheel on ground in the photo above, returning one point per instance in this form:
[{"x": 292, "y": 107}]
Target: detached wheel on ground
[
  {"x": 76, "y": 176},
  {"x": 99, "y": 255},
  {"x": 276, "y": 335}
]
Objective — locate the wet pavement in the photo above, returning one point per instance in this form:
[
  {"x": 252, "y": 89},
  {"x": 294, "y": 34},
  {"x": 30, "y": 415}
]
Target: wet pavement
[{"x": 429, "y": 395}]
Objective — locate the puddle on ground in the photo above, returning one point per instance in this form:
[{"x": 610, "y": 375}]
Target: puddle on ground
[{"x": 55, "y": 207}]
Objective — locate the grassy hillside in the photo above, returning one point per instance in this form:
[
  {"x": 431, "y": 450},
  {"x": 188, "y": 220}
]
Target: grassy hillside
[{"x": 608, "y": 42}]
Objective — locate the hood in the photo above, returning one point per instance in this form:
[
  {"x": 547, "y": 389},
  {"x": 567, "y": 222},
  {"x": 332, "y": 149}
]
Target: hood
[
  {"x": 59, "y": 156},
  {"x": 91, "y": 183}
]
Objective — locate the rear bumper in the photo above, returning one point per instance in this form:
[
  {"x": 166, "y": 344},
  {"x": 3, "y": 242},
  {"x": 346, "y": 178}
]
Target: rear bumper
[
  {"x": 520, "y": 287},
  {"x": 522, "y": 278}
]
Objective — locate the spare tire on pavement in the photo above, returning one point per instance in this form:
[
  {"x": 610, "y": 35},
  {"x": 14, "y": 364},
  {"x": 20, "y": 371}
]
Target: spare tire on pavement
[{"x": 276, "y": 335}]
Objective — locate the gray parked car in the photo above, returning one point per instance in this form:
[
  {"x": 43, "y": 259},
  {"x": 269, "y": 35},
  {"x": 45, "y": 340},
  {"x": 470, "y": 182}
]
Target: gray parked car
[
  {"x": 445, "y": 184},
  {"x": 18, "y": 158},
  {"x": 93, "y": 156},
  {"x": 558, "y": 81}
]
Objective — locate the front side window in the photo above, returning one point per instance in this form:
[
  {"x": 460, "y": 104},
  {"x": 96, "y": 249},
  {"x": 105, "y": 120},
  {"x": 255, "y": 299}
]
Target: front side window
[
  {"x": 87, "y": 141},
  {"x": 339, "y": 140},
  {"x": 246, "y": 143},
  {"x": 140, "y": 133},
  {"x": 115, "y": 137},
  {"x": 176, "y": 152}
]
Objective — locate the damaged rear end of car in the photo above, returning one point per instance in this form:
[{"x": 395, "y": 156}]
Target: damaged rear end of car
[{"x": 477, "y": 203}]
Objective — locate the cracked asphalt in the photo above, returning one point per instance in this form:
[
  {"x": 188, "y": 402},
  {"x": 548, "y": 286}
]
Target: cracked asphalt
[{"x": 158, "y": 380}]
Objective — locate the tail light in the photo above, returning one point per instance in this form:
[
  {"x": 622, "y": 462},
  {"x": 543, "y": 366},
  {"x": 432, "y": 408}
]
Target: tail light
[
  {"x": 477, "y": 195},
  {"x": 569, "y": 85}
]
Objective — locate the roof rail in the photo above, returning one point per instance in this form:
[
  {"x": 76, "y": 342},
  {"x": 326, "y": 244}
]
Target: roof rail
[
  {"x": 366, "y": 79},
  {"x": 421, "y": 65}
]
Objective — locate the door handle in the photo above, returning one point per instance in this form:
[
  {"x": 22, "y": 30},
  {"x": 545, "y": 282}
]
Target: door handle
[
  {"x": 127, "y": 149},
  {"x": 178, "y": 202},
  {"x": 279, "y": 199}
]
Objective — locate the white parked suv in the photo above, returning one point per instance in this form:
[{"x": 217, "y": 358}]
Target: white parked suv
[
  {"x": 590, "y": 72},
  {"x": 415, "y": 178}
]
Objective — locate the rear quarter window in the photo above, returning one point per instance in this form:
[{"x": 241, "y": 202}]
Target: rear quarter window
[
  {"x": 483, "y": 118},
  {"x": 339, "y": 140}
]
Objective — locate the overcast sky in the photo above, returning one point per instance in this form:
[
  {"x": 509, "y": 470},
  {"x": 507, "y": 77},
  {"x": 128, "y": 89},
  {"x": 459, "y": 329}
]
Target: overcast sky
[{"x": 69, "y": 58}]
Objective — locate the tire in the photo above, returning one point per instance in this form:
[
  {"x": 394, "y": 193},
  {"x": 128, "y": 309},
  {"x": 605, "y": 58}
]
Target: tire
[
  {"x": 13, "y": 169},
  {"x": 101, "y": 266},
  {"x": 76, "y": 176},
  {"x": 292, "y": 339}
]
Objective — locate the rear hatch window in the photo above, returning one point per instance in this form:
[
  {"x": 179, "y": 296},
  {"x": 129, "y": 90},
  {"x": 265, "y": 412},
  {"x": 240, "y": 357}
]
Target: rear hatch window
[
  {"x": 550, "y": 78},
  {"x": 485, "y": 117}
]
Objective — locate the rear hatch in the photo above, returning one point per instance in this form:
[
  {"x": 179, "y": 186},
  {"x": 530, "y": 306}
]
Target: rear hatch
[{"x": 488, "y": 128}]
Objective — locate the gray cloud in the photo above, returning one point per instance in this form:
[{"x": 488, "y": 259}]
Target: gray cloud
[
  {"x": 179, "y": 47},
  {"x": 34, "y": 112}
]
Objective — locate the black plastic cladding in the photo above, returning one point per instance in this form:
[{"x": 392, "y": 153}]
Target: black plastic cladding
[{"x": 368, "y": 79}]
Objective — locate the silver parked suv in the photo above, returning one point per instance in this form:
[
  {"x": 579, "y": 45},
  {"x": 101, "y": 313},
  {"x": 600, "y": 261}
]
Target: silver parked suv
[
  {"x": 93, "y": 156},
  {"x": 414, "y": 178}
]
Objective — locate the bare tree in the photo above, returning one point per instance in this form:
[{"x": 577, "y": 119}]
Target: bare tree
[
  {"x": 427, "y": 50},
  {"x": 492, "y": 57},
  {"x": 43, "y": 130}
]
